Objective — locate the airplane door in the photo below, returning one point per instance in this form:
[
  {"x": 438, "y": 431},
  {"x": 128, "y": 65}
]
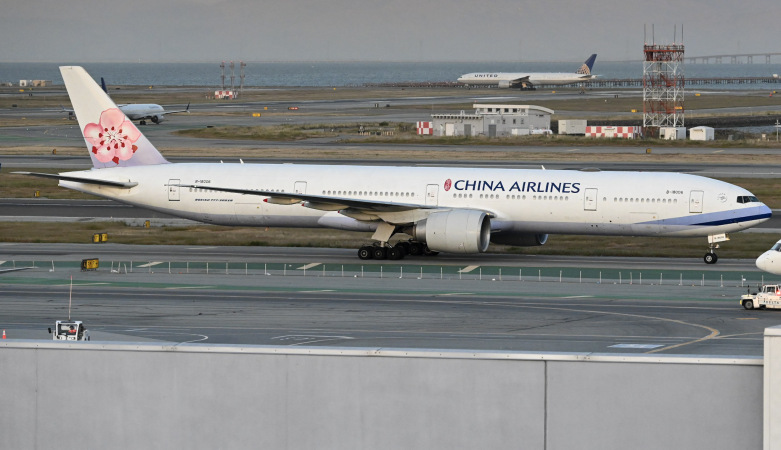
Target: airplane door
[
  {"x": 300, "y": 187},
  {"x": 590, "y": 202},
  {"x": 695, "y": 202},
  {"x": 432, "y": 195},
  {"x": 173, "y": 190}
]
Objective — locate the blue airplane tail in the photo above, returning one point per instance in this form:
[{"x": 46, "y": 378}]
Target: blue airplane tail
[{"x": 588, "y": 65}]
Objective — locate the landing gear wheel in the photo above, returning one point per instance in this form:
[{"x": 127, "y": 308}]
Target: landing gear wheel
[
  {"x": 395, "y": 253},
  {"x": 710, "y": 258},
  {"x": 366, "y": 252},
  {"x": 748, "y": 304},
  {"x": 143, "y": 122},
  {"x": 379, "y": 253},
  {"x": 416, "y": 248}
]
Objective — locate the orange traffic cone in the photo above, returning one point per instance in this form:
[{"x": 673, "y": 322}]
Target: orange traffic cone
[{"x": 3, "y": 334}]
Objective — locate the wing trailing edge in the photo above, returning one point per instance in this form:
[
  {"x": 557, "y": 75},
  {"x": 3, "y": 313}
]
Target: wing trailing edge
[{"x": 56, "y": 176}]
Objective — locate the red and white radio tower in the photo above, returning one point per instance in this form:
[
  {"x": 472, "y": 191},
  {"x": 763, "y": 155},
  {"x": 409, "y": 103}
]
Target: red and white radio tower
[{"x": 663, "y": 86}]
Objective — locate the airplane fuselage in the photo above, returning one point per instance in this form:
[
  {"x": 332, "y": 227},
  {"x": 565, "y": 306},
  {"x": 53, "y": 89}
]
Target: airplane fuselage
[
  {"x": 517, "y": 201},
  {"x": 499, "y": 78},
  {"x": 141, "y": 111}
]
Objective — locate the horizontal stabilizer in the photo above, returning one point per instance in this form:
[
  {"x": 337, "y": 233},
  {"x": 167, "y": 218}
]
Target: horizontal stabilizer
[{"x": 120, "y": 184}]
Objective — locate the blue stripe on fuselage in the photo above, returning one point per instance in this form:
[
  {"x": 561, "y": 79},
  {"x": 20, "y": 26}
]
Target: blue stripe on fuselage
[{"x": 717, "y": 218}]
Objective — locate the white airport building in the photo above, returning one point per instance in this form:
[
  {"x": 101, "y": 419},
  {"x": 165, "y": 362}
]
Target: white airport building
[
  {"x": 494, "y": 121},
  {"x": 702, "y": 134}
]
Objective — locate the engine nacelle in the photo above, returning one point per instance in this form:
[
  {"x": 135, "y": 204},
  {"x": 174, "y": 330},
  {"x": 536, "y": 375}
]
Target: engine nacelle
[
  {"x": 157, "y": 119},
  {"x": 504, "y": 84},
  {"x": 457, "y": 231},
  {"x": 519, "y": 239}
]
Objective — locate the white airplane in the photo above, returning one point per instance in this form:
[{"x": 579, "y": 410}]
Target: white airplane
[
  {"x": 770, "y": 261},
  {"x": 527, "y": 80},
  {"x": 446, "y": 209},
  {"x": 138, "y": 111},
  {"x": 144, "y": 111}
]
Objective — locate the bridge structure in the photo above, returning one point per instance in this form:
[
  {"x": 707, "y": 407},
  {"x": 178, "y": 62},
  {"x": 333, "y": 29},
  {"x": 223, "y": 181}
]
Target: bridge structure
[{"x": 734, "y": 58}]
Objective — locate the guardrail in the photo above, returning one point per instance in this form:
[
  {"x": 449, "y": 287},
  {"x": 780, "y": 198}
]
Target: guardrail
[{"x": 417, "y": 271}]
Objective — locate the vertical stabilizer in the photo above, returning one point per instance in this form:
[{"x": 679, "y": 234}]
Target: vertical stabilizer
[
  {"x": 585, "y": 69},
  {"x": 112, "y": 139}
]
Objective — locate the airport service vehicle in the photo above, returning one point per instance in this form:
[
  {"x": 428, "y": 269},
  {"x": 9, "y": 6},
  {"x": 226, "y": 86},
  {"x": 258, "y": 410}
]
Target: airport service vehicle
[
  {"x": 528, "y": 80},
  {"x": 769, "y": 296},
  {"x": 69, "y": 330},
  {"x": 442, "y": 209}
]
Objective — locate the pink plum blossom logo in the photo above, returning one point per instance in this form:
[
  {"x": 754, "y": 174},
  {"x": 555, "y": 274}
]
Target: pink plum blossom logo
[
  {"x": 113, "y": 139},
  {"x": 448, "y": 183}
]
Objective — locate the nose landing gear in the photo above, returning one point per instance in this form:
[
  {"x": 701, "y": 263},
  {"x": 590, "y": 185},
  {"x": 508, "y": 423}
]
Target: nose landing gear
[{"x": 713, "y": 244}]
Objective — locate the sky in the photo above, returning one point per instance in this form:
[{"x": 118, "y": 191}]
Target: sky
[{"x": 378, "y": 30}]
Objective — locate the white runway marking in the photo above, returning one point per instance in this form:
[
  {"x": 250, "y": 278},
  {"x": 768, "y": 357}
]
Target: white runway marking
[
  {"x": 579, "y": 296},
  {"x": 309, "y": 266},
  {"x": 640, "y": 346},
  {"x": 190, "y": 287},
  {"x": 468, "y": 269},
  {"x": 303, "y": 339},
  {"x": 150, "y": 264},
  {"x": 455, "y": 293}
]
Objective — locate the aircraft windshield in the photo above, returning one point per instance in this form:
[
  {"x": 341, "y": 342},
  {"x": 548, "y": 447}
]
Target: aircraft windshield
[
  {"x": 777, "y": 247},
  {"x": 747, "y": 199}
]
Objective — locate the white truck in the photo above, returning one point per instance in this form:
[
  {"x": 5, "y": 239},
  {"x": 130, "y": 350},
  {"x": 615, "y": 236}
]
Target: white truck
[
  {"x": 69, "y": 330},
  {"x": 769, "y": 296}
]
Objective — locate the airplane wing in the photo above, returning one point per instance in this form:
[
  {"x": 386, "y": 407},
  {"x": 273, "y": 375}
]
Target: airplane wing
[
  {"x": 321, "y": 202},
  {"x": 520, "y": 81},
  {"x": 121, "y": 184},
  {"x": 187, "y": 110}
]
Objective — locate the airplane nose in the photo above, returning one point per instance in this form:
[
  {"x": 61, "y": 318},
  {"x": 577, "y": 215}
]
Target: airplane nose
[
  {"x": 764, "y": 261},
  {"x": 765, "y": 213}
]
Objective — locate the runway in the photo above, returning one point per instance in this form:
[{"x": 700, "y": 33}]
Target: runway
[{"x": 279, "y": 296}]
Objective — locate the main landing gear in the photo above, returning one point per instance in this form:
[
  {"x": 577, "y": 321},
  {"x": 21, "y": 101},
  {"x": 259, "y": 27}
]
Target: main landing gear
[
  {"x": 382, "y": 249},
  {"x": 395, "y": 252}
]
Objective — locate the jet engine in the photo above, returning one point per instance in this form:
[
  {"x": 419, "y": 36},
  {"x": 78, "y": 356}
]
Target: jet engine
[
  {"x": 456, "y": 231},
  {"x": 504, "y": 84},
  {"x": 157, "y": 119}
]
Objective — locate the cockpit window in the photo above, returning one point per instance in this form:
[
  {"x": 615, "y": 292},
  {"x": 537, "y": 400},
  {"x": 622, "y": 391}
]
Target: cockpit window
[
  {"x": 747, "y": 199},
  {"x": 777, "y": 247}
]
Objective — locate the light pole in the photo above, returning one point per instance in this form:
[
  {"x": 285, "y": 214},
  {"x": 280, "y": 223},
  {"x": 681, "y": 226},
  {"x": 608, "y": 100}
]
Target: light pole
[{"x": 777, "y": 127}]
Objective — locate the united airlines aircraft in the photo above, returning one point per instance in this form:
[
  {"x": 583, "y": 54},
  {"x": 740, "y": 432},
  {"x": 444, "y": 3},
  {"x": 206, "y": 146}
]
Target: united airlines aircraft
[
  {"x": 440, "y": 209},
  {"x": 528, "y": 80}
]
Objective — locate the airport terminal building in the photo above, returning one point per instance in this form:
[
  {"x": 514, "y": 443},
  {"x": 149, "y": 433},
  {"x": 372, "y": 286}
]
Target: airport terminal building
[{"x": 494, "y": 121}]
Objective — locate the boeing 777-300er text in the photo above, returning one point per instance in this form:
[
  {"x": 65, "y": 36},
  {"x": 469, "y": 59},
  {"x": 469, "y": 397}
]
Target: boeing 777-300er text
[
  {"x": 770, "y": 261},
  {"x": 528, "y": 80},
  {"x": 442, "y": 209}
]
